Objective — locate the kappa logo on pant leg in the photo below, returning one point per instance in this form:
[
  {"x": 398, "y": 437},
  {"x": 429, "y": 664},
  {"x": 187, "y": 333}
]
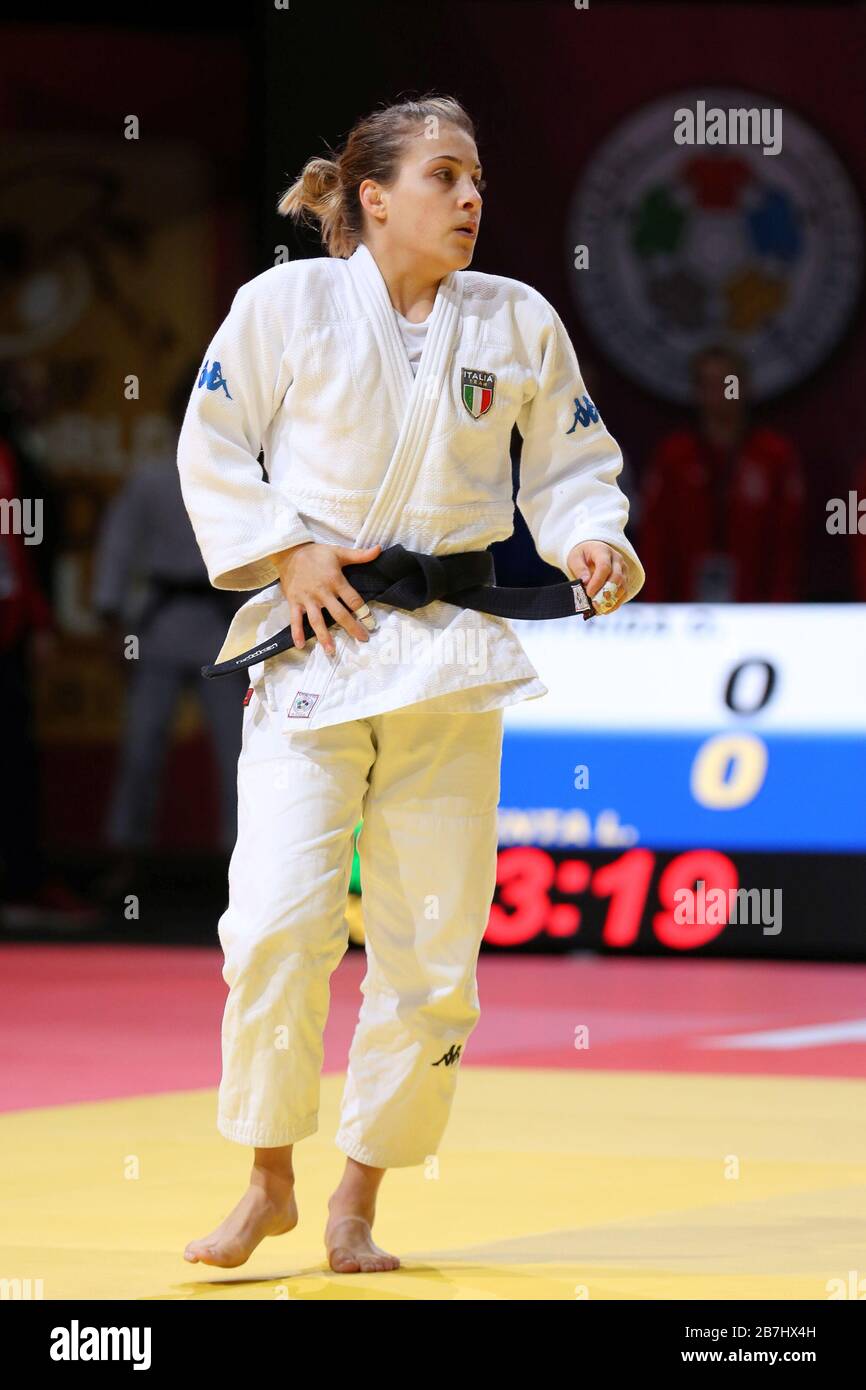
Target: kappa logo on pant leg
[
  {"x": 302, "y": 705},
  {"x": 449, "y": 1057}
]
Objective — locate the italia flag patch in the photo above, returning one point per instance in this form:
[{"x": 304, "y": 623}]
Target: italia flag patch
[{"x": 476, "y": 391}]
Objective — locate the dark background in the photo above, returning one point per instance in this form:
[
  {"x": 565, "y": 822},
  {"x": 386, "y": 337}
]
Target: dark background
[{"x": 250, "y": 95}]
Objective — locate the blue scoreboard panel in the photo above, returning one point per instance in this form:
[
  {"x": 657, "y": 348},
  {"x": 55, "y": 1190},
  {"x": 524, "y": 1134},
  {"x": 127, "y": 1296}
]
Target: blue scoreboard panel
[{"x": 694, "y": 780}]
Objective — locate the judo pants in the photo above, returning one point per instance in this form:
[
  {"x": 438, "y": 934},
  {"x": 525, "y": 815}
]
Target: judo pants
[{"x": 427, "y": 786}]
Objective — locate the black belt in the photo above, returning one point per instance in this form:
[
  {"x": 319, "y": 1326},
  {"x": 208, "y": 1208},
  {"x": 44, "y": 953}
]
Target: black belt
[{"x": 407, "y": 579}]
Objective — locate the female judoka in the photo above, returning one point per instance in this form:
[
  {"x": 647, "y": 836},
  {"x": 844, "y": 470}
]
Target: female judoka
[{"x": 382, "y": 382}]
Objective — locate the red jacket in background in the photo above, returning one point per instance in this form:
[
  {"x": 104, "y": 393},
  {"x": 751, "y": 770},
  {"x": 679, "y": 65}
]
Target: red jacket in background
[
  {"x": 23, "y": 605},
  {"x": 699, "y": 502}
]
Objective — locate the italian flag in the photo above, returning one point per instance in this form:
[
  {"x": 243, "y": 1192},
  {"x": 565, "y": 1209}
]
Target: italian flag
[{"x": 477, "y": 399}]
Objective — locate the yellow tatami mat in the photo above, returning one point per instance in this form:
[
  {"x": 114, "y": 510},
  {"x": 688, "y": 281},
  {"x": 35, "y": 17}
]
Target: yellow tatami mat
[{"x": 549, "y": 1185}]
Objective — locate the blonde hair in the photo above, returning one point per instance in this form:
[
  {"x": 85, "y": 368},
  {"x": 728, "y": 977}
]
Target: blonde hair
[{"x": 326, "y": 190}]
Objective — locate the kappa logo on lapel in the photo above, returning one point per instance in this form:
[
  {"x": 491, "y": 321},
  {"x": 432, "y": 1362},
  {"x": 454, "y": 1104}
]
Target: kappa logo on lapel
[
  {"x": 302, "y": 705},
  {"x": 476, "y": 391}
]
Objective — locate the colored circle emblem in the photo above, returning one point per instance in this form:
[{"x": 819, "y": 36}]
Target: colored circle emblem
[{"x": 698, "y": 243}]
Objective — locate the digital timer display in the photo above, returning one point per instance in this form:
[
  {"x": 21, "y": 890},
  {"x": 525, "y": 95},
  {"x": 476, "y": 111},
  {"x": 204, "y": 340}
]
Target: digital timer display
[{"x": 711, "y": 749}]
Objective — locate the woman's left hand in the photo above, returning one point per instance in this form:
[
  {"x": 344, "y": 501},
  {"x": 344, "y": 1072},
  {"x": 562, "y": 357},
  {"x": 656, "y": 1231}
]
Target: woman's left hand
[{"x": 597, "y": 564}]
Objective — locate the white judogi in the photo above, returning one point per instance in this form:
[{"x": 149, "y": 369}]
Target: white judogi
[
  {"x": 405, "y": 730},
  {"x": 427, "y": 787},
  {"x": 310, "y": 364}
]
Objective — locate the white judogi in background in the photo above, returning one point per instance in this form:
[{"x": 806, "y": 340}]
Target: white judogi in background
[{"x": 363, "y": 444}]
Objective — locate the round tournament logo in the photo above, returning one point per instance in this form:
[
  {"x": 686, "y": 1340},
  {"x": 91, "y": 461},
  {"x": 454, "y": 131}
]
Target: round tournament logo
[{"x": 714, "y": 240}]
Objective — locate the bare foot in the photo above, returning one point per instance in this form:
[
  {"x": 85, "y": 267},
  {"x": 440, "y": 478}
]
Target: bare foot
[
  {"x": 264, "y": 1210},
  {"x": 350, "y": 1245}
]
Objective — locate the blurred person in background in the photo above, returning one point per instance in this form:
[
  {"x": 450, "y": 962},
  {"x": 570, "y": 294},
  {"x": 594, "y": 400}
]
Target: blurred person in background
[
  {"x": 146, "y": 537},
  {"x": 30, "y": 895},
  {"x": 731, "y": 492}
]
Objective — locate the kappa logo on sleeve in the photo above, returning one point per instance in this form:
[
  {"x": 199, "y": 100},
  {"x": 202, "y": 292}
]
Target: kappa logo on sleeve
[
  {"x": 213, "y": 379},
  {"x": 585, "y": 414},
  {"x": 302, "y": 705}
]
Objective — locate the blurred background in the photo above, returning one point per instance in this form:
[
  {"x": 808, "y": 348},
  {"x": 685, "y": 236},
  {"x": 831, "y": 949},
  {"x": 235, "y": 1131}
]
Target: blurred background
[
  {"x": 710, "y": 735},
  {"x": 721, "y": 714}
]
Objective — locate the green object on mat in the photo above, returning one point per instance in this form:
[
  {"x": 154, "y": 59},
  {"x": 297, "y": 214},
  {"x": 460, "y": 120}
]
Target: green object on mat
[{"x": 355, "y": 880}]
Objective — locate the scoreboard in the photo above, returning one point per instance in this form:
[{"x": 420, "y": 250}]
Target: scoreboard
[{"x": 695, "y": 780}]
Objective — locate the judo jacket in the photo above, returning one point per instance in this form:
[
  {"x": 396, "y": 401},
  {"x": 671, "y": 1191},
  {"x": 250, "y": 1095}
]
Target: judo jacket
[{"x": 309, "y": 367}]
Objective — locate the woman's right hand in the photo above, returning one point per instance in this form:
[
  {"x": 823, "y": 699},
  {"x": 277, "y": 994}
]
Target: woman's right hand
[{"x": 311, "y": 578}]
